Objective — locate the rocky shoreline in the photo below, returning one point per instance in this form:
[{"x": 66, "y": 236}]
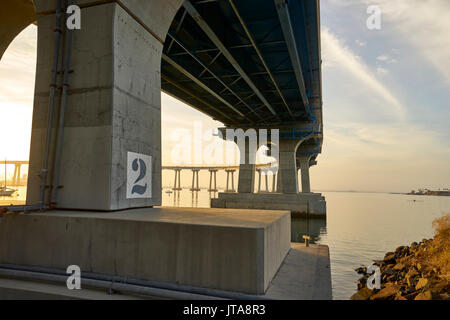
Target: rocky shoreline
[{"x": 416, "y": 272}]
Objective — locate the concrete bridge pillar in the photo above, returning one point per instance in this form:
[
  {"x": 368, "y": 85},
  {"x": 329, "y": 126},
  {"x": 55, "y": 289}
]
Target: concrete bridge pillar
[
  {"x": 195, "y": 184},
  {"x": 177, "y": 181},
  {"x": 230, "y": 173},
  {"x": 212, "y": 176},
  {"x": 304, "y": 168},
  {"x": 287, "y": 172},
  {"x": 266, "y": 178},
  {"x": 113, "y": 104},
  {"x": 274, "y": 182},
  {"x": 246, "y": 182}
]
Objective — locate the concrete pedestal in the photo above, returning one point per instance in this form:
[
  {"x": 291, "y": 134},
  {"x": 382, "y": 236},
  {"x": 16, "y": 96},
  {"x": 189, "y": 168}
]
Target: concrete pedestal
[
  {"x": 231, "y": 250},
  {"x": 312, "y": 204}
]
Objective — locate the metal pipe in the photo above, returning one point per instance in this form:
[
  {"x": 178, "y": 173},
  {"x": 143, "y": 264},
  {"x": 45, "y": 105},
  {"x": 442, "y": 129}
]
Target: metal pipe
[
  {"x": 201, "y": 84},
  {"x": 108, "y": 286},
  {"x": 125, "y": 284},
  {"x": 24, "y": 208},
  {"x": 57, "y": 167},
  {"x": 51, "y": 104}
]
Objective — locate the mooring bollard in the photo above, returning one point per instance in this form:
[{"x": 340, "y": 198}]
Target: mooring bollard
[{"x": 307, "y": 239}]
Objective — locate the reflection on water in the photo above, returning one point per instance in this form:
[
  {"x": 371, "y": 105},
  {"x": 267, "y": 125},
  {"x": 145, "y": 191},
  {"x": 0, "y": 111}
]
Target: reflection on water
[
  {"x": 311, "y": 227},
  {"x": 359, "y": 227}
]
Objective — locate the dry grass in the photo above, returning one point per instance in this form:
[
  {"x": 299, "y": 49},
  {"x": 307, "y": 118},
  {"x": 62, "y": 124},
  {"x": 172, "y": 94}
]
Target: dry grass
[
  {"x": 441, "y": 247},
  {"x": 437, "y": 252}
]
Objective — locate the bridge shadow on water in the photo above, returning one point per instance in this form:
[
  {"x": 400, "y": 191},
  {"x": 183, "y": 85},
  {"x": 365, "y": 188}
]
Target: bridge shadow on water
[{"x": 313, "y": 227}]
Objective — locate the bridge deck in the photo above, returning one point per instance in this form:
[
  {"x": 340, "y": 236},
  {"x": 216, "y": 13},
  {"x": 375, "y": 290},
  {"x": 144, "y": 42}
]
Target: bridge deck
[{"x": 246, "y": 64}]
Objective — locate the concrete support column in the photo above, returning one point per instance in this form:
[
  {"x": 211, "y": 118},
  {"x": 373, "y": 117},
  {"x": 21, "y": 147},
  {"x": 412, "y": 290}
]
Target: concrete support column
[
  {"x": 259, "y": 180},
  {"x": 266, "y": 179},
  {"x": 267, "y": 182},
  {"x": 212, "y": 177},
  {"x": 113, "y": 106},
  {"x": 177, "y": 182},
  {"x": 287, "y": 171},
  {"x": 274, "y": 182},
  {"x": 14, "y": 176},
  {"x": 18, "y": 175},
  {"x": 195, "y": 184},
  {"x": 304, "y": 168},
  {"x": 246, "y": 183},
  {"x": 230, "y": 173}
]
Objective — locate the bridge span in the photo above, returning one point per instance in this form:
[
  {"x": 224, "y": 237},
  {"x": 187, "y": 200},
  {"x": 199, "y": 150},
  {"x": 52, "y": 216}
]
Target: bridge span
[
  {"x": 96, "y": 144},
  {"x": 98, "y": 98}
]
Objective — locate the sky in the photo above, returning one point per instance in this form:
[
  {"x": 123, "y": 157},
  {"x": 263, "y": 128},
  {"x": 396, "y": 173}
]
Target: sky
[{"x": 386, "y": 98}]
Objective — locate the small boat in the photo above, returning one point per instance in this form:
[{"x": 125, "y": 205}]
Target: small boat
[
  {"x": 169, "y": 191},
  {"x": 6, "y": 192}
]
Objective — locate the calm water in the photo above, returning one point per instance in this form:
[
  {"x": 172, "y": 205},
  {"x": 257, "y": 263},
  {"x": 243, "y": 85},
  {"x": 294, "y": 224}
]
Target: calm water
[{"x": 359, "y": 227}]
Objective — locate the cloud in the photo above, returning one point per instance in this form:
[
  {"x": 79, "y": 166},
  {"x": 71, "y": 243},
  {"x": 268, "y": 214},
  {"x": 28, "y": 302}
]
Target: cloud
[
  {"x": 336, "y": 54},
  {"x": 381, "y": 157},
  {"x": 386, "y": 58},
  {"x": 382, "y": 71},
  {"x": 425, "y": 25}
]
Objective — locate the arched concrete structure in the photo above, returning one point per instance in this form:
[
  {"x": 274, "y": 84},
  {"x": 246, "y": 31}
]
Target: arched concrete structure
[
  {"x": 15, "y": 16},
  {"x": 114, "y": 101},
  {"x": 114, "y": 104},
  {"x": 306, "y": 154}
]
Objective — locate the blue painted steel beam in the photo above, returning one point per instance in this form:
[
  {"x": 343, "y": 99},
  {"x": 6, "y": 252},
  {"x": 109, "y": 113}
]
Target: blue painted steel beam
[
  {"x": 260, "y": 55},
  {"x": 201, "y": 84},
  {"x": 205, "y": 67},
  {"x": 291, "y": 42},
  {"x": 213, "y": 37}
]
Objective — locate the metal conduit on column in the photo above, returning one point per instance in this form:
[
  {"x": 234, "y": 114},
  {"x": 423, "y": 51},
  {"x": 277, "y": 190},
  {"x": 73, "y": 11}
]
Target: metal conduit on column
[
  {"x": 51, "y": 104},
  {"x": 58, "y": 156}
]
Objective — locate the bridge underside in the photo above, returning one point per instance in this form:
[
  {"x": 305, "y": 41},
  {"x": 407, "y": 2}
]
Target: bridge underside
[{"x": 246, "y": 65}]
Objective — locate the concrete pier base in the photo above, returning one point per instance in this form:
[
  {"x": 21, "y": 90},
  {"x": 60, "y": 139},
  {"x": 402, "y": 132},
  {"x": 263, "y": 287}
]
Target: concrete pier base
[
  {"x": 223, "y": 249},
  {"x": 304, "y": 275},
  {"x": 311, "y": 204}
]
